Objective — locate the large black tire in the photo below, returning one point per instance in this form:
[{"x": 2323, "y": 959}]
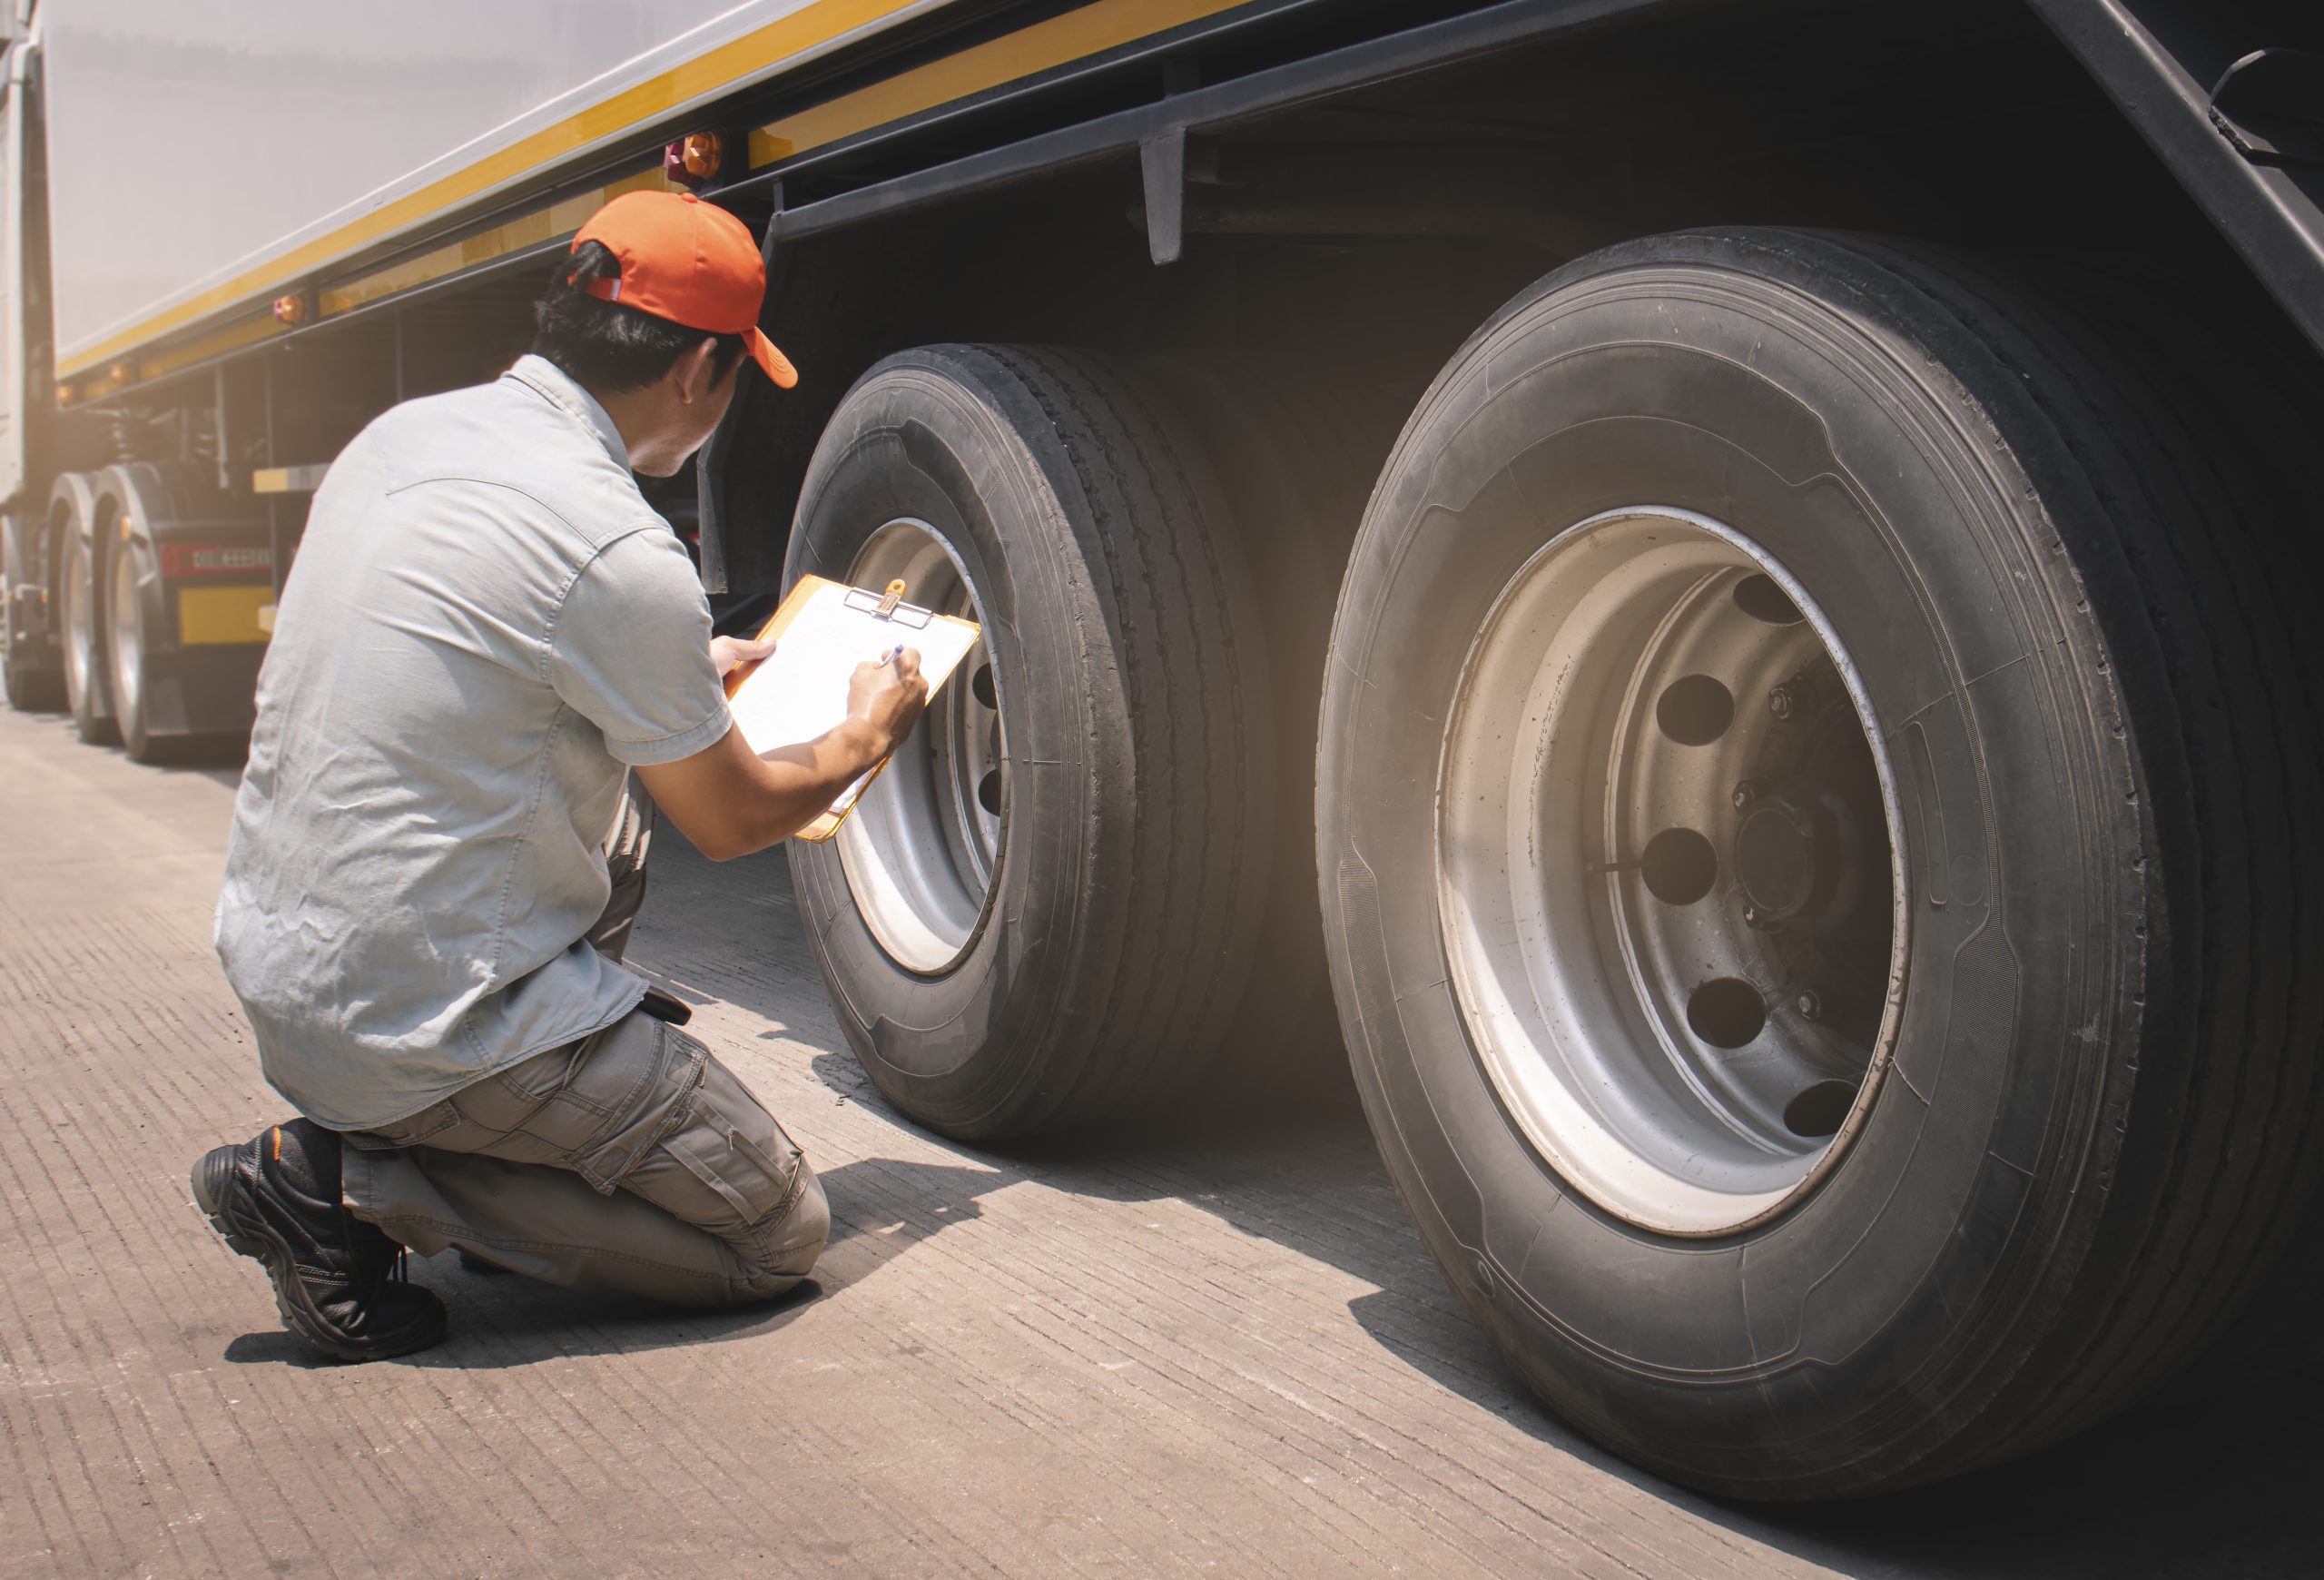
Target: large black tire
[
  {"x": 2093, "y": 1133},
  {"x": 1105, "y": 962},
  {"x": 81, "y": 628}
]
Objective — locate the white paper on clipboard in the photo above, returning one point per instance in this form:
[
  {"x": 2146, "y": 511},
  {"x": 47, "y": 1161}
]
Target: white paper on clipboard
[{"x": 821, "y": 632}]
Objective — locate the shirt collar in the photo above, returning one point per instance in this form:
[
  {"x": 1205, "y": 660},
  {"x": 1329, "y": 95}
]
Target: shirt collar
[{"x": 561, "y": 390}]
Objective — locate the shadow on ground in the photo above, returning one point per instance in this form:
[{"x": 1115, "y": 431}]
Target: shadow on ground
[
  {"x": 504, "y": 1320},
  {"x": 2210, "y": 1478}
]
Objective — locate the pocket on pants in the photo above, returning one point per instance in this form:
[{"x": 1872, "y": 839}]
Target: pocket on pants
[
  {"x": 754, "y": 1185},
  {"x": 642, "y": 1076}
]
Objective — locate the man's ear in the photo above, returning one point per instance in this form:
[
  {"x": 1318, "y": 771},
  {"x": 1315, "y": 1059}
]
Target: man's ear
[{"x": 693, "y": 369}]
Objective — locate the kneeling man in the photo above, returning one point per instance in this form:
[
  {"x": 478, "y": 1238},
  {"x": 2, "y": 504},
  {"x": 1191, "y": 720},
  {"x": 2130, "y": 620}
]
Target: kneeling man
[{"x": 435, "y": 859}]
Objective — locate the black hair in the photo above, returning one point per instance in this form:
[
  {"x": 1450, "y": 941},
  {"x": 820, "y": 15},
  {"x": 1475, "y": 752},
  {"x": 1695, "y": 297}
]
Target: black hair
[{"x": 608, "y": 347}]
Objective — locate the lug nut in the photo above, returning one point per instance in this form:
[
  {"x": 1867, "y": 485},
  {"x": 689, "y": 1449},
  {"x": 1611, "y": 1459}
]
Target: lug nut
[
  {"x": 1781, "y": 701},
  {"x": 1809, "y": 1006},
  {"x": 1746, "y": 793}
]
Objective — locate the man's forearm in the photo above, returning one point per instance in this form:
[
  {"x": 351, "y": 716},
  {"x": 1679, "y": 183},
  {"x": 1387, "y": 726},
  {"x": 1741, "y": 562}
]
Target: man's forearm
[
  {"x": 729, "y": 801},
  {"x": 797, "y": 783}
]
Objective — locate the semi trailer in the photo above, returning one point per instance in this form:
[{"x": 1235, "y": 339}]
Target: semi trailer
[{"x": 1701, "y": 597}]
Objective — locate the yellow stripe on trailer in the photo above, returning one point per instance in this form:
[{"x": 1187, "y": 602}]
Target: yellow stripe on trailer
[
  {"x": 559, "y": 219},
  {"x": 728, "y": 65},
  {"x": 1042, "y": 46},
  {"x": 215, "y": 616},
  {"x": 229, "y": 337},
  {"x": 1059, "y": 41}
]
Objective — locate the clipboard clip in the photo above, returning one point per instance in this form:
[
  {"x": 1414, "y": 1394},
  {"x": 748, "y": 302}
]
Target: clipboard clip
[{"x": 888, "y": 605}]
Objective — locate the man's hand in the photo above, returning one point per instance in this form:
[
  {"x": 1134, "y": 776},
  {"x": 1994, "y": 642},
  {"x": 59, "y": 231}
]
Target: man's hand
[
  {"x": 889, "y": 696},
  {"x": 727, "y": 652}
]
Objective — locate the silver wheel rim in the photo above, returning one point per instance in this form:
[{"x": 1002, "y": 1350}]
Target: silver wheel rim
[
  {"x": 80, "y": 628},
  {"x": 1676, "y": 925},
  {"x": 128, "y": 641},
  {"x": 922, "y": 847}
]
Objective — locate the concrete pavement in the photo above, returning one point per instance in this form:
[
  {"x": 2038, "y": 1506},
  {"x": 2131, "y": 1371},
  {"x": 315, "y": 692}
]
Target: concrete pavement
[{"x": 1213, "y": 1348}]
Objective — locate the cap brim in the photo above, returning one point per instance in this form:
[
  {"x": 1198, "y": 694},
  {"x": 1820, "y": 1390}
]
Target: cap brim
[{"x": 778, "y": 366}]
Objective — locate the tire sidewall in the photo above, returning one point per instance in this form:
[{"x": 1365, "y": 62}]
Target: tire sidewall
[
  {"x": 132, "y": 555},
  {"x": 91, "y": 704},
  {"x": 1735, "y": 379}
]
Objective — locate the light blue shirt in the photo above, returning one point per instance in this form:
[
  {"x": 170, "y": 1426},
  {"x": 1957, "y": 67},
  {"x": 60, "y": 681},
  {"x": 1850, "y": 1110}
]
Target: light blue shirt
[{"x": 485, "y": 623}]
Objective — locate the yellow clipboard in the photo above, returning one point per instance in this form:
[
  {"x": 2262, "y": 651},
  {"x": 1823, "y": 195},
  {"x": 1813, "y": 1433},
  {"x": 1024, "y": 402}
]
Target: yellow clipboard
[{"x": 822, "y": 630}]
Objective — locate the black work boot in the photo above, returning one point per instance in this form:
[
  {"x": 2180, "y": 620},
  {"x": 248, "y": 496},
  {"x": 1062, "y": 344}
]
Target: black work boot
[{"x": 275, "y": 1198}]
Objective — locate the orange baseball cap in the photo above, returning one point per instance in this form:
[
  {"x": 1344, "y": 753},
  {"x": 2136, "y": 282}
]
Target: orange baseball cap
[{"x": 689, "y": 261}]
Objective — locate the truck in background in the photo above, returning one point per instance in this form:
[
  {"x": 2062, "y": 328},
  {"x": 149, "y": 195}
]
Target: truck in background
[{"x": 1703, "y": 595}]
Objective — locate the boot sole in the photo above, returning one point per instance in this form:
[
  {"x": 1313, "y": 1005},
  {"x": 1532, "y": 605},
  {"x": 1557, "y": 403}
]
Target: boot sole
[{"x": 214, "y": 1183}]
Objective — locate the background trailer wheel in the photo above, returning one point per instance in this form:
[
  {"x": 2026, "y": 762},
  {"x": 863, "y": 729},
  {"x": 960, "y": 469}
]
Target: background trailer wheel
[
  {"x": 80, "y": 610},
  {"x": 1813, "y": 809},
  {"x": 180, "y": 585},
  {"x": 125, "y": 650},
  {"x": 1048, "y": 909}
]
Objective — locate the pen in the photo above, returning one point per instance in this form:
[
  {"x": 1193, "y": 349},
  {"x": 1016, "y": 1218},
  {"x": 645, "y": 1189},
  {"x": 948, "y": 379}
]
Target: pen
[{"x": 890, "y": 656}]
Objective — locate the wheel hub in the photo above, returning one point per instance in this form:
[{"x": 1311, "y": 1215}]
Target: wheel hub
[
  {"x": 1799, "y": 860},
  {"x": 1673, "y": 917},
  {"x": 1775, "y": 860}
]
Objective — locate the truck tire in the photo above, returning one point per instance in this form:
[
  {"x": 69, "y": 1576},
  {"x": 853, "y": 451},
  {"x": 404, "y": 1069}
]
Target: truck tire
[
  {"x": 1045, "y": 910},
  {"x": 1294, "y": 450},
  {"x": 24, "y": 687},
  {"x": 80, "y": 616},
  {"x": 1810, "y": 807},
  {"x": 30, "y": 681}
]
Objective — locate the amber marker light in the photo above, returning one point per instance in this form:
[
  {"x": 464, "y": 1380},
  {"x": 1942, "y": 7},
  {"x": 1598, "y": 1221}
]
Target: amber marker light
[
  {"x": 117, "y": 375},
  {"x": 291, "y": 310},
  {"x": 693, "y": 158}
]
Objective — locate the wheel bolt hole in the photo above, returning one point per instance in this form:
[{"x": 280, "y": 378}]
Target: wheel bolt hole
[
  {"x": 1680, "y": 866},
  {"x": 1819, "y": 1111},
  {"x": 1695, "y": 710},
  {"x": 981, "y": 685},
  {"x": 1725, "y": 1011},
  {"x": 1759, "y": 597},
  {"x": 988, "y": 792}
]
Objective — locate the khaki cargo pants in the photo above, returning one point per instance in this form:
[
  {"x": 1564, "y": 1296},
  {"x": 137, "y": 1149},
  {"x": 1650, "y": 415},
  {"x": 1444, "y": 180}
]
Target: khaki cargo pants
[{"x": 630, "y": 1161}]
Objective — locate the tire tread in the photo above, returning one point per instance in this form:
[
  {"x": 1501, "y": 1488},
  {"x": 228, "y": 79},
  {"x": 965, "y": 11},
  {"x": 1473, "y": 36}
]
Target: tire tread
[{"x": 2234, "y": 1184}]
